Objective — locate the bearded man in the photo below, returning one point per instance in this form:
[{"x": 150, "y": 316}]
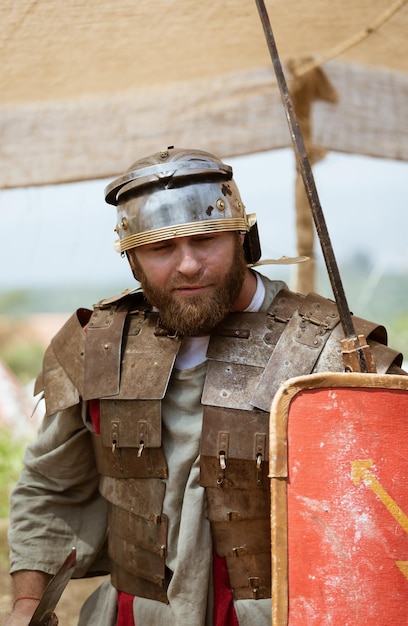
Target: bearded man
[{"x": 152, "y": 458}]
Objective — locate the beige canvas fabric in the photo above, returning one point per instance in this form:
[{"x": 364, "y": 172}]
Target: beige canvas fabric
[{"x": 86, "y": 87}]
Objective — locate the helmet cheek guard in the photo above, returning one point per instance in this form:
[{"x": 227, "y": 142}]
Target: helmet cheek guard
[
  {"x": 179, "y": 193},
  {"x": 252, "y": 245}
]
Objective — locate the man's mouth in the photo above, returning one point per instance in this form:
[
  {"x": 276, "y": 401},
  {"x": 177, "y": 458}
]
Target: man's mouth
[{"x": 191, "y": 290}]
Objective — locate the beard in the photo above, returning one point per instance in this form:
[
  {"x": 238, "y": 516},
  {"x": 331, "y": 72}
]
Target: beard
[{"x": 197, "y": 315}]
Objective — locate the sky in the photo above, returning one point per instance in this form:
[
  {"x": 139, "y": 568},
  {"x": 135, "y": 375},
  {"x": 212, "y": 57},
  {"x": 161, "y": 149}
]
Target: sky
[{"x": 64, "y": 234}]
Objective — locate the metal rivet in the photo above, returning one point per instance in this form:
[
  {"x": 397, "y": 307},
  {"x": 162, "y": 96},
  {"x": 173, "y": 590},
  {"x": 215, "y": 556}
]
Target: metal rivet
[
  {"x": 124, "y": 223},
  {"x": 220, "y": 204}
]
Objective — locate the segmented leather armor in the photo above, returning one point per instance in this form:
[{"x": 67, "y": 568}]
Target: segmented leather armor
[{"x": 125, "y": 359}]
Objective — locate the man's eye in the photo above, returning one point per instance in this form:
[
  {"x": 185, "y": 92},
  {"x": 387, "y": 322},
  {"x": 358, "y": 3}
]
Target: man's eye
[
  {"x": 161, "y": 246},
  {"x": 204, "y": 238}
]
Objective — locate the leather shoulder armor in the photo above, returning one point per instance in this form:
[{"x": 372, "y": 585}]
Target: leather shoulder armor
[
  {"x": 62, "y": 379},
  {"x": 62, "y": 373}
]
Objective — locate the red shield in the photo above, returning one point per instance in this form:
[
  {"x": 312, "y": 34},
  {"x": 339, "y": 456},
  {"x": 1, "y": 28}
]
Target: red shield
[{"x": 339, "y": 450}]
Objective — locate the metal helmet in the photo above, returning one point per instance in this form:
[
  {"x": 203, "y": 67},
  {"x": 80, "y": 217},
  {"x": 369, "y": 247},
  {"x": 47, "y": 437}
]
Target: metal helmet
[{"x": 178, "y": 193}]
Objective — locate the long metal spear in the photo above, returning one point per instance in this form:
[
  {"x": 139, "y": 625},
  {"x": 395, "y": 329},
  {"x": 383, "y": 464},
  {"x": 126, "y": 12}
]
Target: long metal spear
[{"x": 353, "y": 344}]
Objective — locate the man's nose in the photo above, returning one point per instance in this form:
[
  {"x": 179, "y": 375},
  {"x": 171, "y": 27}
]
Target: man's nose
[{"x": 188, "y": 263}]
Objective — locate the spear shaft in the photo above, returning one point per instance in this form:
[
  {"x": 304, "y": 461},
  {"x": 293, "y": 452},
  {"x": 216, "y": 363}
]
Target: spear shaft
[{"x": 310, "y": 188}]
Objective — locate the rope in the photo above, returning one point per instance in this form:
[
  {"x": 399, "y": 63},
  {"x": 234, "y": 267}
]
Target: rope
[{"x": 319, "y": 60}]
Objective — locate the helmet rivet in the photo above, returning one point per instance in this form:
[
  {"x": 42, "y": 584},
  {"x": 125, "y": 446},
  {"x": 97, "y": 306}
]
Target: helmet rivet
[
  {"x": 220, "y": 204},
  {"x": 124, "y": 223},
  {"x": 116, "y": 229},
  {"x": 238, "y": 204}
]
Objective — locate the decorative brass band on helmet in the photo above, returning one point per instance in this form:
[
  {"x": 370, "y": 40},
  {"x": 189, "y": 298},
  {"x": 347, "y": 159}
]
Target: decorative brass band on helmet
[{"x": 182, "y": 230}]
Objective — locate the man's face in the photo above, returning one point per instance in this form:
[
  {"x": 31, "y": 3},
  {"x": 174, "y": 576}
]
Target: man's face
[{"x": 193, "y": 281}]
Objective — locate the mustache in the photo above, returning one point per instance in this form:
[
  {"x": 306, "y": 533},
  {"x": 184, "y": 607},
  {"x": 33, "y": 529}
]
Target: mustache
[{"x": 195, "y": 281}]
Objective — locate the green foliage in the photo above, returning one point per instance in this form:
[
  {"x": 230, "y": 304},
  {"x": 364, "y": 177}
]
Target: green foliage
[
  {"x": 18, "y": 351},
  {"x": 56, "y": 299},
  {"x": 11, "y": 455},
  {"x": 24, "y": 360},
  {"x": 14, "y": 302},
  {"x": 398, "y": 333},
  {"x": 375, "y": 296}
]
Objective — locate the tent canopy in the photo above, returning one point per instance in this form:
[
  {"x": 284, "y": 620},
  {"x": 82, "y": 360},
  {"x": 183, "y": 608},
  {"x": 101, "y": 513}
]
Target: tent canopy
[{"x": 88, "y": 87}]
